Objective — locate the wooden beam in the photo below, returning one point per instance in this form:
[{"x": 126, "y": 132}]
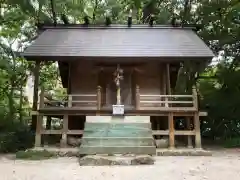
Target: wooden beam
[
  {"x": 171, "y": 131},
  {"x": 71, "y": 132},
  {"x": 176, "y": 133},
  {"x": 35, "y": 95},
  {"x": 160, "y": 132}
]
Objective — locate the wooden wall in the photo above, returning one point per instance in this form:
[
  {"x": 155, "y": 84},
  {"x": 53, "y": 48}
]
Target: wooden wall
[{"x": 84, "y": 79}]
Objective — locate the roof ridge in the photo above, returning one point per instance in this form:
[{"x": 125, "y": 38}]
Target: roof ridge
[{"x": 116, "y": 26}]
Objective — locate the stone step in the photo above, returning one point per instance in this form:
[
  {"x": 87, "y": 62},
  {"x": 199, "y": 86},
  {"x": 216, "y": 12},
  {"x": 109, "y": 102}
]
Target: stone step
[
  {"x": 129, "y": 141},
  {"x": 151, "y": 150},
  {"x": 117, "y": 125},
  {"x": 117, "y": 133},
  {"x": 117, "y": 130}
]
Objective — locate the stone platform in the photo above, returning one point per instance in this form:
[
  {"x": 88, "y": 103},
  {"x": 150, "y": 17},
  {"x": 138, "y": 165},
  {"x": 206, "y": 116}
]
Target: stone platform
[
  {"x": 117, "y": 135},
  {"x": 125, "y": 160},
  {"x": 183, "y": 152}
]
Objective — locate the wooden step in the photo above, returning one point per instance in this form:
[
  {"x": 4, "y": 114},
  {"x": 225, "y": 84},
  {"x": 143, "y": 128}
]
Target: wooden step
[{"x": 151, "y": 150}]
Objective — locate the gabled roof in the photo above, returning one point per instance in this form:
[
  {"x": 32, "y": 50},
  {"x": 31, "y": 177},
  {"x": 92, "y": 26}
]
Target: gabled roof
[{"x": 118, "y": 41}]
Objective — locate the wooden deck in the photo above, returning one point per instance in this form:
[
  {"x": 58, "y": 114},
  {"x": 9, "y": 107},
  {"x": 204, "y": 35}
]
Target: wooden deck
[{"x": 161, "y": 111}]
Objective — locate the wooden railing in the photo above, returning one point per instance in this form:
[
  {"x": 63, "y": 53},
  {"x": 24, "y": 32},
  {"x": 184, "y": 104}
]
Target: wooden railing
[
  {"x": 166, "y": 100},
  {"x": 73, "y": 100},
  {"x": 155, "y": 101}
]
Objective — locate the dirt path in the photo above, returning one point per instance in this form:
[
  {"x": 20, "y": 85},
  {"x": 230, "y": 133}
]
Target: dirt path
[{"x": 222, "y": 166}]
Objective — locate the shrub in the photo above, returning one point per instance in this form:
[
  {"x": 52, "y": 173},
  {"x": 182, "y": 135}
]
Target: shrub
[
  {"x": 15, "y": 136},
  {"x": 232, "y": 143},
  {"x": 35, "y": 155}
]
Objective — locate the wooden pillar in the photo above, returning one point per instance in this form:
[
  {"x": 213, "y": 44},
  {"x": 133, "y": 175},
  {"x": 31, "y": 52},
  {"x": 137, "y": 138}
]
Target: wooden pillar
[
  {"x": 196, "y": 120},
  {"x": 195, "y": 97},
  {"x": 35, "y": 95},
  {"x": 171, "y": 131},
  {"x": 99, "y": 98},
  {"x": 189, "y": 128},
  {"x": 168, "y": 83},
  {"x": 158, "y": 126},
  {"x": 168, "y": 80},
  {"x": 69, "y": 100},
  {"x": 39, "y": 122},
  {"x": 38, "y": 134},
  {"x": 65, "y": 130},
  {"x": 137, "y": 98},
  {"x": 197, "y": 131}
]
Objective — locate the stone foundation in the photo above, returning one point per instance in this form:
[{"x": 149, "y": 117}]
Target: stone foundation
[
  {"x": 183, "y": 152},
  {"x": 105, "y": 160}
]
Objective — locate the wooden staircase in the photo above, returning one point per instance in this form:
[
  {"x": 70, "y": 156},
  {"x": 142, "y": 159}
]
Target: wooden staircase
[{"x": 117, "y": 135}]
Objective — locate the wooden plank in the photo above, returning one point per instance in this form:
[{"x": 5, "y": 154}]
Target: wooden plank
[
  {"x": 171, "y": 131},
  {"x": 158, "y": 95},
  {"x": 84, "y": 95},
  {"x": 172, "y": 102},
  {"x": 51, "y": 131},
  {"x": 177, "y": 133},
  {"x": 184, "y": 133},
  {"x": 82, "y": 101},
  {"x": 160, "y": 132},
  {"x": 75, "y": 132},
  {"x": 72, "y": 132}
]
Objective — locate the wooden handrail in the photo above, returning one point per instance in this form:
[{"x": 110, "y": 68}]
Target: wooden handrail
[{"x": 156, "y": 95}]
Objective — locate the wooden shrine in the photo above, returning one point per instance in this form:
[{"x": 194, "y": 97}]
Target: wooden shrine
[{"x": 133, "y": 68}]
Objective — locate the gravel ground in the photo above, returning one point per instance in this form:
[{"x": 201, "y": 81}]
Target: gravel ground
[{"x": 223, "y": 165}]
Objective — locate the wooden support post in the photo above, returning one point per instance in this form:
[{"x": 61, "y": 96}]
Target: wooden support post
[
  {"x": 35, "y": 95},
  {"x": 189, "y": 128},
  {"x": 99, "y": 97},
  {"x": 171, "y": 131},
  {"x": 197, "y": 131},
  {"x": 137, "y": 97},
  {"x": 168, "y": 83},
  {"x": 195, "y": 97},
  {"x": 158, "y": 125},
  {"x": 38, "y": 134},
  {"x": 65, "y": 130},
  {"x": 69, "y": 100},
  {"x": 41, "y": 101}
]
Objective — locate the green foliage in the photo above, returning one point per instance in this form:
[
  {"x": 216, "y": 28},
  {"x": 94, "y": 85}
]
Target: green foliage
[
  {"x": 35, "y": 155},
  {"x": 232, "y": 143},
  {"x": 14, "y": 136}
]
